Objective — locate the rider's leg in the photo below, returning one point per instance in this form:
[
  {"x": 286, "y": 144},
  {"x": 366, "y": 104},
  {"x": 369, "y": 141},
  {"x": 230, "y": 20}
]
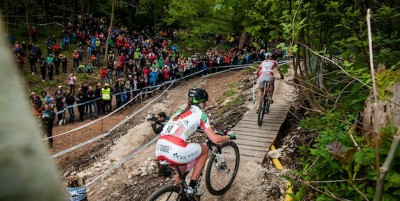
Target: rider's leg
[
  {"x": 259, "y": 94},
  {"x": 200, "y": 162},
  {"x": 271, "y": 89},
  {"x": 182, "y": 169}
]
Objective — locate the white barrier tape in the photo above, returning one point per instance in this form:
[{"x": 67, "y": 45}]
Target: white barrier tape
[
  {"x": 92, "y": 122},
  {"x": 123, "y": 161},
  {"x": 108, "y": 132}
]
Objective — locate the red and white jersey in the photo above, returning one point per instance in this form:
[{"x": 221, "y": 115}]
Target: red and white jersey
[
  {"x": 186, "y": 124},
  {"x": 266, "y": 67}
]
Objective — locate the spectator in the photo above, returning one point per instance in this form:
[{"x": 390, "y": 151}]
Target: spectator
[
  {"x": 20, "y": 61},
  {"x": 32, "y": 62},
  {"x": 49, "y": 100},
  {"x": 37, "y": 104},
  {"x": 91, "y": 98},
  {"x": 81, "y": 68},
  {"x": 106, "y": 97},
  {"x": 43, "y": 69},
  {"x": 59, "y": 98},
  {"x": 103, "y": 75},
  {"x": 93, "y": 58},
  {"x": 81, "y": 99},
  {"x": 50, "y": 66},
  {"x": 109, "y": 76},
  {"x": 75, "y": 56},
  {"x": 99, "y": 101},
  {"x": 118, "y": 89},
  {"x": 89, "y": 68},
  {"x": 70, "y": 100},
  {"x": 57, "y": 61},
  {"x": 64, "y": 62},
  {"x": 47, "y": 118},
  {"x": 127, "y": 89},
  {"x": 153, "y": 77},
  {"x": 71, "y": 82}
]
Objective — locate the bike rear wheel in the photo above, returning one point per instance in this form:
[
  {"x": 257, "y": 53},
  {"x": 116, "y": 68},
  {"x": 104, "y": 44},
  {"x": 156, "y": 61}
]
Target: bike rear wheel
[
  {"x": 168, "y": 192},
  {"x": 220, "y": 174},
  {"x": 261, "y": 109},
  {"x": 267, "y": 103}
]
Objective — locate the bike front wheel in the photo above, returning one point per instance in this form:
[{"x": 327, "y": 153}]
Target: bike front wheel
[
  {"x": 168, "y": 192},
  {"x": 222, "y": 169}
]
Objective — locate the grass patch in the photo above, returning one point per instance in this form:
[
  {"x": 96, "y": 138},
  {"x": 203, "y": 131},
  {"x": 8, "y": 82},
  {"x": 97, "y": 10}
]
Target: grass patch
[
  {"x": 230, "y": 92},
  {"x": 238, "y": 100}
]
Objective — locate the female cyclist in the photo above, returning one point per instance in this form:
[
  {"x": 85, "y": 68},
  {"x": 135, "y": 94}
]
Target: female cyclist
[{"x": 172, "y": 146}]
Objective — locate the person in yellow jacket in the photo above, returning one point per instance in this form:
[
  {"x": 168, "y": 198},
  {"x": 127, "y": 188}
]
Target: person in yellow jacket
[{"x": 106, "y": 96}]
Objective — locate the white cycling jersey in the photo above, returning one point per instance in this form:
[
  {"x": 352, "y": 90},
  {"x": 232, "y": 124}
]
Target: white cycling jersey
[
  {"x": 187, "y": 123},
  {"x": 266, "y": 67},
  {"x": 171, "y": 145}
]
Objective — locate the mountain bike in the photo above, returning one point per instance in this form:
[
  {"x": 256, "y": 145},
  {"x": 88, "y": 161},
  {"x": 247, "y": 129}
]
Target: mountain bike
[
  {"x": 221, "y": 171},
  {"x": 264, "y": 106}
]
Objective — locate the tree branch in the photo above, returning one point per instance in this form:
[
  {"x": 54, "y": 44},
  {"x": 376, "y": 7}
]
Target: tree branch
[
  {"x": 345, "y": 72},
  {"x": 386, "y": 167}
]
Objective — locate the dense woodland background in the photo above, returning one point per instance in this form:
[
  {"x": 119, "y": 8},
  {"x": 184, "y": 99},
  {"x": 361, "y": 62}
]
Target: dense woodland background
[{"x": 329, "y": 43}]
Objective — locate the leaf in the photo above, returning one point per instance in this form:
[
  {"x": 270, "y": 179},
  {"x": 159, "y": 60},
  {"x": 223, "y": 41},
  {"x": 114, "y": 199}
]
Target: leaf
[
  {"x": 396, "y": 192},
  {"x": 336, "y": 148},
  {"x": 348, "y": 157},
  {"x": 218, "y": 7}
]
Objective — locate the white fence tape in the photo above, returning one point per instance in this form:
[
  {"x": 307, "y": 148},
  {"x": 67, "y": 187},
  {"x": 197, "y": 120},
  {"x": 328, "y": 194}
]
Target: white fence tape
[
  {"x": 111, "y": 130},
  {"x": 122, "y": 161}
]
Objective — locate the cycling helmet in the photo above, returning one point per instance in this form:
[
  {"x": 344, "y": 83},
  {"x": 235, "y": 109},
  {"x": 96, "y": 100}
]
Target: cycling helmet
[{"x": 198, "y": 95}]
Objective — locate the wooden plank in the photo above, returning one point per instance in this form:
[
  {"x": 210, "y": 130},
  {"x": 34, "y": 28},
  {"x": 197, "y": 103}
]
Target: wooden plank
[
  {"x": 253, "y": 148},
  {"x": 255, "y": 143},
  {"x": 264, "y": 126},
  {"x": 262, "y": 136}
]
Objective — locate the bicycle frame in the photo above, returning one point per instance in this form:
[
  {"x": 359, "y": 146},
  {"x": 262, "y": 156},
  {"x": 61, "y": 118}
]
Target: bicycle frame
[{"x": 214, "y": 148}]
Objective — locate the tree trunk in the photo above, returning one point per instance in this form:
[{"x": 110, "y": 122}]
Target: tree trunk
[
  {"x": 109, "y": 29},
  {"x": 45, "y": 10},
  {"x": 243, "y": 38},
  {"x": 383, "y": 114},
  {"x": 27, "y": 19},
  {"x": 6, "y": 17}
]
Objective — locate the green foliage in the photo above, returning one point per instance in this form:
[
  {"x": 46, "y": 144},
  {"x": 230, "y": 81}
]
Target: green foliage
[
  {"x": 384, "y": 80},
  {"x": 230, "y": 92}
]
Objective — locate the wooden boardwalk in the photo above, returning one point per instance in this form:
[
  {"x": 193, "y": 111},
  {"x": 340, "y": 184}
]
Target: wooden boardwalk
[{"x": 253, "y": 140}]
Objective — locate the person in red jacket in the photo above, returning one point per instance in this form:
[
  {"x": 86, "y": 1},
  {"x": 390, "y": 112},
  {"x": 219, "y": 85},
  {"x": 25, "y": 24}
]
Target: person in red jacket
[
  {"x": 56, "y": 48},
  {"x": 103, "y": 75}
]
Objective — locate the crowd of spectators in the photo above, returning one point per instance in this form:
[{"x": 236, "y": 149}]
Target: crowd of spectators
[{"x": 138, "y": 59}]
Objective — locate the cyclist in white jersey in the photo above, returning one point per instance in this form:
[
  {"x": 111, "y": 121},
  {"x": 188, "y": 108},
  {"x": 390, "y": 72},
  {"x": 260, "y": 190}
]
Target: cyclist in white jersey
[
  {"x": 172, "y": 146},
  {"x": 265, "y": 74}
]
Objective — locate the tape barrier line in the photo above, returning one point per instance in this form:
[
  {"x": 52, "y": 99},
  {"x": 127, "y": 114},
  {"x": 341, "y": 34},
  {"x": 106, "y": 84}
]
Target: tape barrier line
[
  {"x": 111, "y": 130},
  {"x": 92, "y": 122},
  {"x": 117, "y": 165}
]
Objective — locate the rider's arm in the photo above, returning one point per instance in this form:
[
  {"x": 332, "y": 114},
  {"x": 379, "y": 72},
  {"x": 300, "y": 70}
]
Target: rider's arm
[
  {"x": 258, "y": 71},
  {"x": 214, "y": 137},
  {"x": 279, "y": 70}
]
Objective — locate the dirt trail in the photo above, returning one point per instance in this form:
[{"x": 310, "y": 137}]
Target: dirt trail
[{"x": 136, "y": 179}]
